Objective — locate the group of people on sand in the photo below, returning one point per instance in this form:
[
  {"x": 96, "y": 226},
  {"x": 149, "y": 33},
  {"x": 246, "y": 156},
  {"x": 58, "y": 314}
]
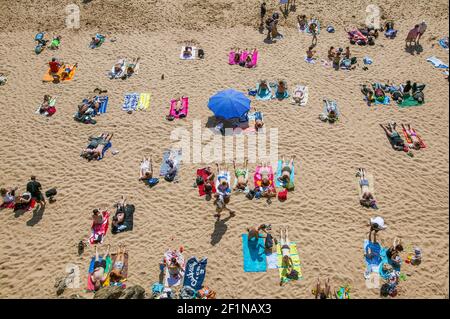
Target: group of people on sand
[
  {"x": 101, "y": 274},
  {"x": 397, "y": 141},
  {"x": 123, "y": 69},
  {"x": 399, "y": 93},
  {"x": 89, "y": 107},
  {"x": 56, "y": 65},
  {"x": 244, "y": 58},
  {"x": 271, "y": 24},
  {"x": 146, "y": 173}
]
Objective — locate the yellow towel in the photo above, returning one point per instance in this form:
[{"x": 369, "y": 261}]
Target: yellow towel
[
  {"x": 144, "y": 101},
  {"x": 295, "y": 260}
]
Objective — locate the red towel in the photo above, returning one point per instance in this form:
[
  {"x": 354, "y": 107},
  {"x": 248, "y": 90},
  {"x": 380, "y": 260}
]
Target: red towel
[
  {"x": 100, "y": 229},
  {"x": 201, "y": 188},
  {"x": 7, "y": 205}
]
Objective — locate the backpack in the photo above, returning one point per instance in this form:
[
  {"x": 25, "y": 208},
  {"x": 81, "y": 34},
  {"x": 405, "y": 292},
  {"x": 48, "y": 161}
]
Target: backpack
[
  {"x": 268, "y": 244},
  {"x": 199, "y": 180},
  {"x": 293, "y": 275},
  {"x": 51, "y": 192},
  {"x": 282, "y": 196},
  {"x": 152, "y": 181},
  {"x": 251, "y": 194}
]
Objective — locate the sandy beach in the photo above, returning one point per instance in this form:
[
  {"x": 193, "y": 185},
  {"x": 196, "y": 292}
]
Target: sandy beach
[{"x": 323, "y": 212}]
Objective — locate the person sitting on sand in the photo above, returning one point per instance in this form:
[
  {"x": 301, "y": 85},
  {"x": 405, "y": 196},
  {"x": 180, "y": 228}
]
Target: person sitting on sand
[
  {"x": 45, "y": 107},
  {"x": 8, "y": 196},
  {"x": 394, "y": 136},
  {"x": 367, "y": 199},
  {"x": 99, "y": 275},
  {"x": 302, "y": 21},
  {"x": 54, "y": 45},
  {"x": 237, "y": 56},
  {"x": 97, "y": 217},
  {"x": 249, "y": 60},
  {"x": 253, "y": 232},
  {"x": 323, "y": 293},
  {"x": 310, "y": 53},
  {"x": 96, "y": 152},
  {"x": 131, "y": 68},
  {"x": 241, "y": 176},
  {"x": 286, "y": 170},
  {"x": 368, "y": 93},
  {"x": 412, "y": 36},
  {"x": 331, "y": 53},
  {"x": 413, "y": 136},
  {"x": 259, "y": 123},
  {"x": 337, "y": 59},
  {"x": 116, "y": 274},
  {"x": 55, "y": 65},
  {"x": 146, "y": 169},
  {"x": 67, "y": 70},
  {"x": 393, "y": 253}
]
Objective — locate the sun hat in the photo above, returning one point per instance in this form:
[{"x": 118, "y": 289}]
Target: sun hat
[{"x": 378, "y": 222}]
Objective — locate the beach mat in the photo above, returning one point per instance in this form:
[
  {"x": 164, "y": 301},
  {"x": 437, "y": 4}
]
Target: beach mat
[
  {"x": 192, "y": 57},
  {"x": 123, "y": 281},
  {"x": 409, "y": 102},
  {"x": 278, "y": 183},
  {"x": 101, "y": 229},
  {"x": 165, "y": 167},
  {"x": 184, "y": 108},
  {"x": 195, "y": 273},
  {"x": 90, "y": 283},
  {"x": 201, "y": 188},
  {"x": 254, "y": 256},
  {"x": 295, "y": 261},
  {"x": 131, "y": 101},
  {"x": 437, "y": 63},
  {"x": 144, "y": 101}
]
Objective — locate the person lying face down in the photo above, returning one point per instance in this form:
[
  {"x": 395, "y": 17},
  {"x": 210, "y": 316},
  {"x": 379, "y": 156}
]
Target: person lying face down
[
  {"x": 413, "y": 136},
  {"x": 367, "y": 199},
  {"x": 241, "y": 176},
  {"x": 286, "y": 170}
]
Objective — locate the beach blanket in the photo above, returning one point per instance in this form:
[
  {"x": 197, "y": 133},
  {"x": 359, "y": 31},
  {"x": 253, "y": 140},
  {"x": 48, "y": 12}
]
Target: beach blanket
[
  {"x": 386, "y": 101},
  {"x": 131, "y": 101},
  {"x": 50, "y": 77},
  {"x": 300, "y": 89},
  {"x": 409, "y": 140},
  {"x": 272, "y": 260},
  {"x": 127, "y": 224},
  {"x": 90, "y": 283},
  {"x": 310, "y": 60},
  {"x": 386, "y": 260},
  {"x": 408, "y": 102},
  {"x": 263, "y": 95},
  {"x": 177, "y": 156},
  {"x": 120, "y": 73},
  {"x": 278, "y": 174},
  {"x": 317, "y": 28},
  {"x": 295, "y": 261},
  {"x": 257, "y": 177},
  {"x": 201, "y": 188},
  {"x": 277, "y": 95},
  {"x": 192, "y": 57},
  {"x": 332, "y": 102},
  {"x": 98, "y": 232},
  {"x": 173, "y": 280},
  {"x": 444, "y": 43},
  {"x": 103, "y": 104},
  {"x": 184, "y": 108},
  {"x": 253, "y": 252},
  {"x": 236, "y": 181},
  {"x": 122, "y": 283},
  {"x": 374, "y": 259},
  {"x": 195, "y": 273},
  {"x": 144, "y": 101},
  {"x": 437, "y": 63}
]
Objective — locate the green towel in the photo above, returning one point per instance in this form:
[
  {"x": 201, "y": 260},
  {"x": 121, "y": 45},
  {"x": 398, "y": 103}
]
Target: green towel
[{"x": 408, "y": 102}]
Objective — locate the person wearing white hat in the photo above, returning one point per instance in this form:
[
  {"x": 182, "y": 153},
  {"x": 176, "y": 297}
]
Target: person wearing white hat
[
  {"x": 422, "y": 29},
  {"x": 377, "y": 224}
]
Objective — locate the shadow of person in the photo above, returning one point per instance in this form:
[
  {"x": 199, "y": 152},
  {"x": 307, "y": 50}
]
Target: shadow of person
[
  {"x": 38, "y": 213},
  {"x": 269, "y": 41},
  {"x": 220, "y": 228},
  {"x": 418, "y": 48}
]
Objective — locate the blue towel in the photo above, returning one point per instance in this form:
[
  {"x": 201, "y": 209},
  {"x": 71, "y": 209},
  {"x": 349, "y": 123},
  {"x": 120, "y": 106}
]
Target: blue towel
[
  {"x": 278, "y": 174},
  {"x": 367, "y": 60},
  {"x": 376, "y": 257},
  {"x": 443, "y": 44},
  {"x": 131, "y": 102},
  {"x": 386, "y": 260},
  {"x": 386, "y": 101},
  {"x": 264, "y": 95},
  {"x": 164, "y": 166},
  {"x": 254, "y": 256},
  {"x": 437, "y": 63},
  {"x": 107, "y": 147},
  {"x": 195, "y": 273},
  {"x": 103, "y": 104}
]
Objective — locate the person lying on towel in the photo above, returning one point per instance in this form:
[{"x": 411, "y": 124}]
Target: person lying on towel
[
  {"x": 146, "y": 170},
  {"x": 413, "y": 136},
  {"x": 223, "y": 189},
  {"x": 179, "y": 106},
  {"x": 99, "y": 274},
  {"x": 241, "y": 176},
  {"x": 266, "y": 188},
  {"x": 119, "y": 218},
  {"x": 259, "y": 123},
  {"x": 96, "y": 146},
  {"x": 367, "y": 199},
  {"x": 286, "y": 171},
  {"x": 131, "y": 67},
  {"x": 174, "y": 268},
  {"x": 394, "y": 136},
  {"x": 116, "y": 274},
  {"x": 67, "y": 70}
]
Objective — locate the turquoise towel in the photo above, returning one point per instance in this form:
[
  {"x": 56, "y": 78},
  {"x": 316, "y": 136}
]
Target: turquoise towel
[
  {"x": 277, "y": 182},
  {"x": 264, "y": 95},
  {"x": 254, "y": 256}
]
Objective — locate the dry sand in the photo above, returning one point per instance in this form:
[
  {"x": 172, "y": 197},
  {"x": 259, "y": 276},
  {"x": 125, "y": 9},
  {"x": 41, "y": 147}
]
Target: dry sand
[{"x": 323, "y": 213}]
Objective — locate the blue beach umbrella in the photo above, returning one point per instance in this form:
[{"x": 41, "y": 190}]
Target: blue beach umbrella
[{"x": 229, "y": 104}]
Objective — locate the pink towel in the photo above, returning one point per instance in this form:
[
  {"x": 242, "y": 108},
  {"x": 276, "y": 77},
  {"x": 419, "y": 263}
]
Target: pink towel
[
  {"x": 254, "y": 60},
  {"x": 101, "y": 229},
  {"x": 244, "y": 56},
  {"x": 257, "y": 177},
  {"x": 231, "y": 58},
  {"x": 184, "y": 110}
]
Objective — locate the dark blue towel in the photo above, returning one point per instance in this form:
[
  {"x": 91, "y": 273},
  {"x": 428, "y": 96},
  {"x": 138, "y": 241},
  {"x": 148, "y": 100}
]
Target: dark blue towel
[{"x": 195, "y": 273}]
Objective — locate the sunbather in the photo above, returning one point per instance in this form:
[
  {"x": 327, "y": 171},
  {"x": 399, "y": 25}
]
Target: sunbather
[
  {"x": 54, "y": 45},
  {"x": 267, "y": 188},
  {"x": 419, "y": 96},
  {"x": 173, "y": 168},
  {"x": 8, "y": 196},
  {"x": 393, "y": 253},
  {"x": 45, "y": 107},
  {"x": 299, "y": 95},
  {"x": 96, "y": 152},
  {"x": 323, "y": 293},
  {"x": 331, "y": 111},
  {"x": 146, "y": 169},
  {"x": 179, "y": 106},
  {"x": 286, "y": 170},
  {"x": 302, "y": 21},
  {"x": 413, "y": 136},
  {"x": 368, "y": 93},
  {"x": 310, "y": 53},
  {"x": 367, "y": 199},
  {"x": 174, "y": 267},
  {"x": 187, "y": 53},
  {"x": 286, "y": 261},
  {"x": 131, "y": 67},
  {"x": 241, "y": 176},
  {"x": 223, "y": 189},
  {"x": 116, "y": 274},
  {"x": 97, "y": 217},
  {"x": 281, "y": 90},
  {"x": 259, "y": 123},
  {"x": 67, "y": 70},
  {"x": 253, "y": 232},
  {"x": 412, "y": 36},
  {"x": 249, "y": 60},
  {"x": 99, "y": 274},
  {"x": 394, "y": 136},
  {"x": 262, "y": 87},
  {"x": 55, "y": 65},
  {"x": 118, "y": 68},
  {"x": 331, "y": 53}
]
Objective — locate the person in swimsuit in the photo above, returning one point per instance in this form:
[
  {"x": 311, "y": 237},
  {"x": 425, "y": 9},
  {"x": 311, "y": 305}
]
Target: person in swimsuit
[
  {"x": 266, "y": 183},
  {"x": 117, "y": 71},
  {"x": 368, "y": 93},
  {"x": 67, "y": 70},
  {"x": 241, "y": 176},
  {"x": 413, "y": 136},
  {"x": 286, "y": 261},
  {"x": 310, "y": 53},
  {"x": 282, "y": 88},
  {"x": 96, "y": 152},
  {"x": 253, "y": 232},
  {"x": 394, "y": 136},
  {"x": 393, "y": 253},
  {"x": 367, "y": 199},
  {"x": 99, "y": 275},
  {"x": 179, "y": 106},
  {"x": 116, "y": 274},
  {"x": 8, "y": 196},
  {"x": 259, "y": 123},
  {"x": 223, "y": 189},
  {"x": 45, "y": 105},
  {"x": 323, "y": 293},
  {"x": 302, "y": 21},
  {"x": 97, "y": 217},
  {"x": 146, "y": 170},
  {"x": 286, "y": 170},
  {"x": 262, "y": 87},
  {"x": 187, "y": 53},
  {"x": 331, "y": 53},
  {"x": 131, "y": 67}
]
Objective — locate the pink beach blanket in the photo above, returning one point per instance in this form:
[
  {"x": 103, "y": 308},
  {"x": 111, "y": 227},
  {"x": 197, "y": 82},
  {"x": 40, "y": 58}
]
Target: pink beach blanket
[
  {"x": 99, "y": 231},
  {"x": 184, "y": 109},
  {"x": 257, "y": 177}
]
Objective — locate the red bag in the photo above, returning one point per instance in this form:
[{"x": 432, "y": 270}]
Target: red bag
[{"x": 282, "y": 196}]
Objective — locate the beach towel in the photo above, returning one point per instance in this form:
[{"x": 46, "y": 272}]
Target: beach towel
[
  {"x": 103, "y": 104},
  {"x": 277, "y": 95},
  {"x": 105, "y": 149},
  {"x": 300, "y": 89},
  {"x": 114, "y": 75},
  {"x": 336, "y": 108},
  {"x": 90, "y": 283},
  {"x": 272, "y": 260},
  {"x": 122, "y": 283},
  {"x": 437, "y": 63},
  {"x": 254, "y": 256},
  {"x": 201, "y": 188},
  {"x": 127, "y": 224},
  {"x": 184, "y": 108},
  {"x": 443, "y": 43},
  {"x": 295, "y": 261},
  {"x": 409, "y": 102},
  {"x": 50, "y": 77},
  {"x": 310, "y": 60},
  {"x": 231, "y": 57},
  {"x": 257, "y": 177},
  {"x": 195, "y": 273},
  {"x": 98, "y": 232},
  {"x": 372, "y": 261},
  {"x": 409, "y": 140},
  {"x": 173, "y": 280},
  {"x": 370, "y": 179},
  {"x": 317, "y": 28},
  {"x": 9, "y": 205},
  {"x": 192, "y": 57},
  {"x": 263, "y": 95},
  {"x": 386, "y": 260},
  {"x": 131, "y": 101},
  {"x": 144, "y": 101},
  {"x": 278, "y": 174},
  {"x": 177, "y": 156}
]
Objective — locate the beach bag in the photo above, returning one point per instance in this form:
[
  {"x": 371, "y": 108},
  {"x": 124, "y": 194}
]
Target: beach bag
[
  {"x": 187, "y": 293},
  {"x": 51, "y": 192},
  {"x": 152, "y": 181},
  {"x": 268, "y": 244},
  {"x": 282, "y": 196},
  {"x": 293, "y": 275},
  {"x": 201, "y": 53},
  {"x": 251, "y": 194}
]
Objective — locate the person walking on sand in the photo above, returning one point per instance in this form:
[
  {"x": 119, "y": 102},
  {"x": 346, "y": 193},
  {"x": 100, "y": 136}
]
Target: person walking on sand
[
  {"x": 412, "y": 36},
  {"x": 422, "y": 29}
]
